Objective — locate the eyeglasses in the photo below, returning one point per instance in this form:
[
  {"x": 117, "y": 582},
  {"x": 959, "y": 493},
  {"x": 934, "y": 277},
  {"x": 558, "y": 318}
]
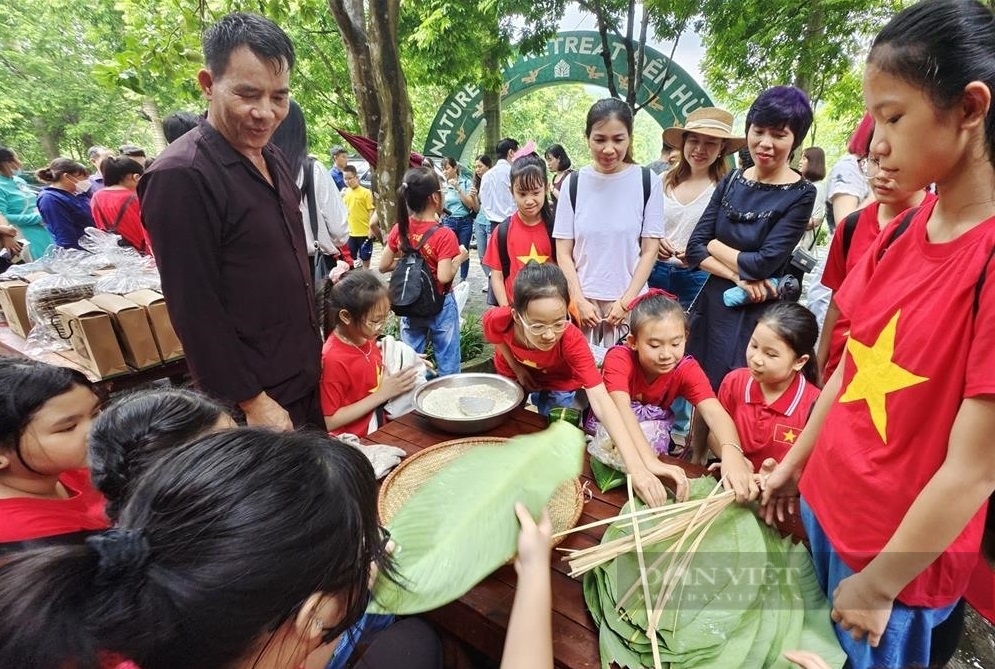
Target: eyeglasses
[
  {"x": 870, "y": 166},
  {"x": 538, "y": 329},
  {"x": 375, "y": 325}
]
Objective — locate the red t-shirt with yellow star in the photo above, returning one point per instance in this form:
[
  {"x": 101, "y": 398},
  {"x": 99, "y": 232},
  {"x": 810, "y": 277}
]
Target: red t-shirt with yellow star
[
  {"x": 838, "y": 266},
  {"x": 347, "y": 376},
  {"x": 442, "y": 245},
  {"x": 916, "y": 350},
  {"x": 569, "y": 365},
  {"x": 525, "y": 244},
  {"x": 622, "y": 373},
  {"x": 766, "y": 430}
]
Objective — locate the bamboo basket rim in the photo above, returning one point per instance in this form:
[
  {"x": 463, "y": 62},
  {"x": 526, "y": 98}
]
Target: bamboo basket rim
[{"x": 565, "y": 507}]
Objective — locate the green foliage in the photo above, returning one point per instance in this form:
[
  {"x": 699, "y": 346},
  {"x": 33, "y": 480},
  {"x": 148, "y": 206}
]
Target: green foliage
[
  {"x": 51, "y": 102},
  {"x": 460, "y": 525},
  {"x": 754, "y": 44}
]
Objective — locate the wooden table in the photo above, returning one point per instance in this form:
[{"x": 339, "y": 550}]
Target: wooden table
[
  {"x": 479, "y": 619},
  {"x": 13, "y": 345}
]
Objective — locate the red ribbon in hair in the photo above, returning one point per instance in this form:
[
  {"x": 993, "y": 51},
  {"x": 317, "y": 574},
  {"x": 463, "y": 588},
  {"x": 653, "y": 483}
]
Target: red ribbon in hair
[{"x": 652, "y": 292}]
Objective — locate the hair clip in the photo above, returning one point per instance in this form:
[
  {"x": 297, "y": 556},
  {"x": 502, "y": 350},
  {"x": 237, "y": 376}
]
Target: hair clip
[{"x": 652, "y": 292}]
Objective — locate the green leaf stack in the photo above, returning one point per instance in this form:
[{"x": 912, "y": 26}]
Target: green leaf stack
[
  {"x": 748, "y": 595},
  {"x": 460, "y": 525}
]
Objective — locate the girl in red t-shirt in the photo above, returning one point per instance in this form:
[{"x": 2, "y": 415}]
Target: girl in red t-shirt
[
  {"x": 890, "y": 200},
  {"x": 896, "y": 465},
  {"x": 45, "y": 490},
  {"x": 417, "y": 217},
  {"x": 651, "y": 370},
  {"x": 353, "y": 379},
  {"x": 770, "y": 399},
  {"x": 527, "y": 237},
  {"x": 536, "y": 343}
]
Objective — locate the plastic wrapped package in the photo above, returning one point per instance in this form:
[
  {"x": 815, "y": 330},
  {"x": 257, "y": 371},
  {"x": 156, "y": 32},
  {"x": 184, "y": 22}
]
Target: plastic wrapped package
[
  {"x": 129, "y": 278},
  {"x": 43, "y": 296},
  {"x": 654, "y": 421},
  {"x": 109, "y": 246}
]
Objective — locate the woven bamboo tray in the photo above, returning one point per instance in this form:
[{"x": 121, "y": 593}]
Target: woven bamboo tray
[{"x": 564, "y": 508}]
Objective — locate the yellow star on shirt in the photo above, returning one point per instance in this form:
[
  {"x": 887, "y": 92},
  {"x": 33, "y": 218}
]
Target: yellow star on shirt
[
  {"x": 379, "y": 378},
  {"x": 789, "y": 436},
  {"x": 533, "y": 255},
  {"x": 530, "y": 363},
  {"x": 878, "y": 375}
]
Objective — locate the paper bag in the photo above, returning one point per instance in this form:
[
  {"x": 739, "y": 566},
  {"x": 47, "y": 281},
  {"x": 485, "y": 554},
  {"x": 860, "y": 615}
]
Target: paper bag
[
  {"x": 162, "y": 329},
  {"x": 92, "y": 336},
  {"x": 13, "y": 301},
  {"x": 133, "y": 330}
]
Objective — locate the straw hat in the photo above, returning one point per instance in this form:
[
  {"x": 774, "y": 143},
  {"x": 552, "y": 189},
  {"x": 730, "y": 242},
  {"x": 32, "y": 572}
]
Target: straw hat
[{"x": 710, "y": 121}]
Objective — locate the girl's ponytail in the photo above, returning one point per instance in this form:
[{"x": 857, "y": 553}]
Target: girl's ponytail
[
  {"x": 402, "y": 209},
  {"x": 45, "y": 594}
]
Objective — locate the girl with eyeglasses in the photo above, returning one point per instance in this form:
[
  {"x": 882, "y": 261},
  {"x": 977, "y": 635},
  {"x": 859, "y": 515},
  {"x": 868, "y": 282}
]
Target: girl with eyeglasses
[
  {"x": 354, "y": 381},
  {"x": 536, "y": 343}
]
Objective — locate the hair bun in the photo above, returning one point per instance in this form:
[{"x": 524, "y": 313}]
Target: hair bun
[{"x": 121, "y": 552}]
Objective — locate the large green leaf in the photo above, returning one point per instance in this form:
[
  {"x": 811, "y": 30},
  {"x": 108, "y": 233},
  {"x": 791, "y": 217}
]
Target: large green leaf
[{"x": 460, "y": 525}]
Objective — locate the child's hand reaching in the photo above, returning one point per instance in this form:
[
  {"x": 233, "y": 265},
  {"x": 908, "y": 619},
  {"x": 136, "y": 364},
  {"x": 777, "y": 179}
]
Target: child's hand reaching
[
  {"x": 675, "y": 474},
  {"x": 737, "y": 475},
  {"x": 397, "y": 383},
  {"x": 533, "y": 540},
  {"x": 648, "y": 487}
]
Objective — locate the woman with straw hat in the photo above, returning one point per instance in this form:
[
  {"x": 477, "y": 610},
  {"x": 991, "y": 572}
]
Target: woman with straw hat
[{"x": 704, "y": 141}]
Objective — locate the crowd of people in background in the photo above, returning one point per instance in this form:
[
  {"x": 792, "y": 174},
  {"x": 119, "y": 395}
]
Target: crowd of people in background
[{"x": 663, "y": 301}]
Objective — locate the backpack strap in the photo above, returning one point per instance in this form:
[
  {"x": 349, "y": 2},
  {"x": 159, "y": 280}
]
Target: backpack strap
[
  {"x": 572, "y": 186},
  {"x": 898, "y": 231},
  {"x": 428, "y": 233},
  {"x": 502, "y": 242},
  {"x": 849, "y": 227},
  {"x": 981, "y": 283},
  {"x": 308, "y": 189}
]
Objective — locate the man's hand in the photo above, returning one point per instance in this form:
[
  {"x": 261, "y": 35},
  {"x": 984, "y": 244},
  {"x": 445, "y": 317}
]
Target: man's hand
[{"x": 263, "y": 411}]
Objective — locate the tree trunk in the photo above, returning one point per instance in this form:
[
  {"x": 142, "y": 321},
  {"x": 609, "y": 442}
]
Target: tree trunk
[
  {"x": 151, "y": 110},
  {"x": 350, "y": 15},
  {"x": 394, "y": 138},
  {"x": 49, "y": 140},
  {"x": 492, "y": 111}
]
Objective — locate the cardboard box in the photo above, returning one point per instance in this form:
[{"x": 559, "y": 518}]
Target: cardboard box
[
  {"x": 92, "y": 336},
  {"x": 133, "y": 330},
  {"x": 162, "y": 329},
  {"x": 13, "y": 301}
]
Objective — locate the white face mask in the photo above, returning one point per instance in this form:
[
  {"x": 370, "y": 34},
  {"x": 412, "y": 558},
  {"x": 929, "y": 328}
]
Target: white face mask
[{"x": 83, "y": 186}]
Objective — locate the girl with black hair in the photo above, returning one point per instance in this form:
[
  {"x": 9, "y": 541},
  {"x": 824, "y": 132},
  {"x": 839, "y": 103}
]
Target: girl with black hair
[
  {"x": 536, "y": 344},
  {"x": 246, "y": 549},
  {"x": 460, "y": 202},
  {"x": 45, "y": 489},
  {"x": 558, "y": 163},
  {"x": 481, "y": 226},
  {"x": 115, "y": 207},
  {"x": 896, "y": 465},
  {"x": 526, "y": 233},
  {"x": 771, "y": 398},
  {"x": 139, "y": 429},
  {"x": 65, "y": 202},
  {"x": 354, "y": 381},
  {"x": 417, "y": 219}
]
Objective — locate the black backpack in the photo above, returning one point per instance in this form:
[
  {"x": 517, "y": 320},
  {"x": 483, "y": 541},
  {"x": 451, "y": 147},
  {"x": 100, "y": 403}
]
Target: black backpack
[{"x": 412, "y": 287}]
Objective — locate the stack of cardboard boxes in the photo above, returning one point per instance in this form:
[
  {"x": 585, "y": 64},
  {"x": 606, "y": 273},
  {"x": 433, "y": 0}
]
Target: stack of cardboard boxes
[{"x": 110, "y": 334}]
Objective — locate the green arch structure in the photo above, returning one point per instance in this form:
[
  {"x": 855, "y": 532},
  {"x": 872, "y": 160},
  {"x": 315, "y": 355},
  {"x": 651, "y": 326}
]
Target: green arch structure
[{"x": 569, "y": 58}]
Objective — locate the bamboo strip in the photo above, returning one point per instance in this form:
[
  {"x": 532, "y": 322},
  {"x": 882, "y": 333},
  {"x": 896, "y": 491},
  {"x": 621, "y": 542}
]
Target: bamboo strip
[{"x": 642, "y": 577}]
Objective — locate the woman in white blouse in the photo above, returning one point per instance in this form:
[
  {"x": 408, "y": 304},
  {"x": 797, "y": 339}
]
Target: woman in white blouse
[{"x": 704, "y": 141}]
